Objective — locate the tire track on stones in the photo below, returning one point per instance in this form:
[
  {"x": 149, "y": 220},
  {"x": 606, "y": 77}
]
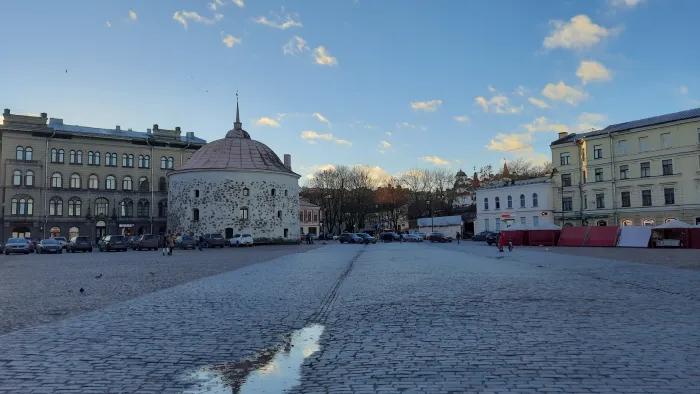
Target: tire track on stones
[{"x": 320, "y": 316}]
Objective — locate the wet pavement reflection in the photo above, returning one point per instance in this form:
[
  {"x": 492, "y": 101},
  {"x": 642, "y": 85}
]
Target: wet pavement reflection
[{"x": 272, "y": 371}]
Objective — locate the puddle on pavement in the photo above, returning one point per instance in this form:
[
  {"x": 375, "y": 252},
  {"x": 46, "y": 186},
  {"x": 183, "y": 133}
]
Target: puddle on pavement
[{"x": 273, "y": 370}]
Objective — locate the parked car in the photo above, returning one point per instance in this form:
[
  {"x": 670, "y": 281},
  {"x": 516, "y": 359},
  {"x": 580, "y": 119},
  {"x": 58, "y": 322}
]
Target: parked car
[
  {"x": 241, "y": 240},
  {"x": 185, "y": 242},
  {"x": 79, "y": 243},
  {"x": 481, "y": 236},
  {"x": 493, "y": 238},
  {"x": 350, "y": 238},
  {"x": 17, "y": 245},
  {"x": 49, "y": 246},
  {"x": 366, "y": 238},
  {"x": 113, "y": 242},
  {"x": 130, "y": 240},
  {"x": 32, "y": 244},
  {"x": 146, "y": 241},
  {"x": 61, "y": 241},
  {"x": 214, "y": 240},
  {"x": 413, "y": 238},
  {"x": 439, "y": 237}
]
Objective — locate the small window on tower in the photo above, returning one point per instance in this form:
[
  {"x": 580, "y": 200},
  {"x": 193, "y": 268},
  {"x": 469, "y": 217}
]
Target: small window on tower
[
  {"x": 279, "y": 214},
  {"x": 246, "y": 192},
  {"x": 272, "y": 192},
  {"x": 196, "y": 192}
]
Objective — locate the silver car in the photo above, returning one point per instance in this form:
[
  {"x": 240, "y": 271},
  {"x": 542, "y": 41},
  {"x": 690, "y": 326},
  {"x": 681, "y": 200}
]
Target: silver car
[{"x": 17, "y": 245}]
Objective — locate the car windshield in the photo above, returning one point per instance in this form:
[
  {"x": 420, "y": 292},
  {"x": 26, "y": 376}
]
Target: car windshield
[
  {"x": 49, "y": 242},
  {"x": 16, "y": 241}
]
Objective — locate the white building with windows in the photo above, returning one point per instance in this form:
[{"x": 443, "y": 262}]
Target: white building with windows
[{"x": 527, "y": 202}]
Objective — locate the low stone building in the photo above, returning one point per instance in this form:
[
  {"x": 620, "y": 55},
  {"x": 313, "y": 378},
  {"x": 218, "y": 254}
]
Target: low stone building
[{"x": 309, "y": 217}]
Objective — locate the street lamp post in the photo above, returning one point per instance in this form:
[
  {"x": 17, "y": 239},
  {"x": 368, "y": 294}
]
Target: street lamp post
[{"x": 322, "y": 233}]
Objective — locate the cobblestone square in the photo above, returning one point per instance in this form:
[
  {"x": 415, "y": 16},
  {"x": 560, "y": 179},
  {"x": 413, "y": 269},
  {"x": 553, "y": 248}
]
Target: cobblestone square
[{"x": 409, "y": 318}]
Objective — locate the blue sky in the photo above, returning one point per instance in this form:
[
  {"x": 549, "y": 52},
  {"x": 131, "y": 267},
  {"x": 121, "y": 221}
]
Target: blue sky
[{"x": 390, "y": 84}]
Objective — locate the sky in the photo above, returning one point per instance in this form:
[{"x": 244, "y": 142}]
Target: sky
[{"x": 391, "y": 84}]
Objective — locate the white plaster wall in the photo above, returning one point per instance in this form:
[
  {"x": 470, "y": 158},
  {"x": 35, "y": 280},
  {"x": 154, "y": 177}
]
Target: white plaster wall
[
  {"x": 544, "y": 204},
  {"x": 221, "y": 197}
]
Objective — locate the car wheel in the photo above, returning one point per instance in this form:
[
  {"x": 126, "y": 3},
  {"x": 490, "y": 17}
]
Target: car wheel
[
  {"x": 60, "y": 252},
  {"x": 26, "y": 252},
  {"x": 489, "y": 243}
]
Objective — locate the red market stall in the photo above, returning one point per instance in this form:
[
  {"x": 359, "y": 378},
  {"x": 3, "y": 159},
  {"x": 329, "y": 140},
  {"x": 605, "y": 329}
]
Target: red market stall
[
  {"x": 602, "y": 236},
  {"x": 573, "y": 236},
  {"x": 674, "y": 234},
  {"x": 517, "y": 234},
  {"x": 694, "y": 237},
  {"x": 546, "y": 234}
]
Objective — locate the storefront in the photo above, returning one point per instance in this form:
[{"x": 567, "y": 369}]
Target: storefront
[{"x": 126, "y": 229}]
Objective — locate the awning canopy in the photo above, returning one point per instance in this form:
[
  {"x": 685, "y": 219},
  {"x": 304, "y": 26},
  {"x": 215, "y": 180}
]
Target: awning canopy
[{"x": 673, "y": 224}]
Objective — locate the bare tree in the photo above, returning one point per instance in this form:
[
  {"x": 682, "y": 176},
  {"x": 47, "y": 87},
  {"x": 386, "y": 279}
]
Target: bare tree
[{"x": 392, "y": 200}]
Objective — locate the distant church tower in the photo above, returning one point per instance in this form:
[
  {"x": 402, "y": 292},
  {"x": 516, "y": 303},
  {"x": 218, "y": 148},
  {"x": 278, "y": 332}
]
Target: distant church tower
[{"x": 463, "y": 190}]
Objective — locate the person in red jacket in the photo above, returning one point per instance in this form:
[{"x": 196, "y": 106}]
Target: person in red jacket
[{"x": 501, "y": 242}]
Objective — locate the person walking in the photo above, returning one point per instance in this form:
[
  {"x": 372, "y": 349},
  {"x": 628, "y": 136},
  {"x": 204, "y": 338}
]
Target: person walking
[
  {"x": 458, "y": 237},
  {"x": 501, "y": 242},
  {"x": 165, "y": 244},
  {"x": 171, "y": 244},
  {"x": 201, "y": 243}
]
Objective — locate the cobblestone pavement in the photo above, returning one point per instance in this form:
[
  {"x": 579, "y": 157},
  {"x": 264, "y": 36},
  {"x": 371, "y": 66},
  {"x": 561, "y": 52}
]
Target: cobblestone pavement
[
  {"x": 37, "y": 289},
  {"x": 398, "y": 318}
]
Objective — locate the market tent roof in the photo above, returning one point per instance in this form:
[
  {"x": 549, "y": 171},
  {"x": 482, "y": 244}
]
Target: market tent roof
[
  {"x": 517, "y": 227},
  {"x": 673, "y": 224}
]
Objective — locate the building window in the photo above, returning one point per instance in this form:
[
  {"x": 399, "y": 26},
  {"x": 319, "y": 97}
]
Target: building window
[
  {"x": 486, "y": 204},
  {"x": 301, "y": 217},
  {"x": 163, "y": 209},
  {"x": 143, "y": 209},
  {"x": 523, "y": 220},
  {"x": 29, "y": 178},
  {"x": 600, "y": 200},
  {"x": 643, "y": 144},
  {"x": 56, "y": 180},
  {"x": 567, "y": 204},
  {"x": 93, "y": 182},
  {"x": 565, "y": 180},
  {"x": 75, "y": 181},
  {"x": 597, "y": 151},
  {"x": 55, "y": 207},
  {"x": 627, "y": 222},
  {"x": 162, "y": 184},
  {"x": 141, "y": 161},
  {"x": 143, "y": 184},
  {"x": 17, "y": 178},
  {"x": 22, "y": 207},
  {"x": 127, "y": 184},
  {"x": 622, "y": 147},
  {"x": 20, "y": 152},
  {"x": 57, "y": 156},
  {"x": 195, "y": 214},
  {"x": 585, "y": 176},
  {"x": 72, "y": 157},
  {"x": 125, "y": 162},
  {"x": 279, "y": 214},
  {"x": 74, "y": 207},
  {"x": 498, "y": 203},
  {"x": 28, "y": 156},
  {"x": 486, "y": 224},
  {"x": 110, "y": 182},
  {"x": 510, "y": 202},
  {"x": 97, "y": 158},
  {"x": 315, "y": 216},
  {"x": 669, "y": 196},
  {"x": 645, "y": 169},
  {"x": 246, "y": 191},
  {"x": 585, "y": 201},
  {"x": 163, "y": 162},
  {"x": 599, "y": 175},
  {"x": 272, "y": 192},
  {"x": 101, "y": 206},
  {"x": 667, "y": 166},
  {"x": 146, "y": 162},
  {"x": 498, "y": 224},
  {"x": 535, "y": 221},
  {"x": 114, "y": 159},
  {"x": 601, "y": 223},
  {"x": 666, "y": 141},
  {"x": 625, "y": 197},
  {"x": 565, "y": 158},
  {"x": 624, "y": 171},
  {"x": 648, "y": 222},
  {"x": 244, "y": 213},
  {"x": 79, "y": 157},
  {"x": 286, "y": 193},
  {"x": 698, "y": 135},
  {"x": 126, "y": 208},
  {"x": 91, "y": 158},
  {"x": 535, "y": 203},
  {"x": 130, "y": 161},
  {"x": 646, "y": 198},
  {"x": 522, "y": 201},
  {"x": 196, "y": 193},
  {"x": 108, "y": 159}
]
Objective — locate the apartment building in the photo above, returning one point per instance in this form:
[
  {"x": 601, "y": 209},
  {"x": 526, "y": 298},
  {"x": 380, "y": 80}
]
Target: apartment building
[
  {"x": 501, "y": 205},
  {"x": 61, "y": 179},
  {"x": 643, "y": 172},
  {"x": 310, "y": 217}
]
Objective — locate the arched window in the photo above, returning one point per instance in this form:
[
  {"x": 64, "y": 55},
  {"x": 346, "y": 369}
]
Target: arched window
[
  {"x": 498, "y": 203},
  {"x": 22, "y": 207},
  {"x": 627, "y": 222},
  {"x": 29, "y": 153},
  {"x": 75, "y": 181},
  {"x": 79, "y": 157},
  {"x": 110, "y": 182},
  {"x": 108, "y": 159},
  {"x": 55, "y": 207},
  {"x": 163, "y": 162},
  {"x": 244, "y": 213},
  {"x": 29, "y": 178},
  {"x": 130, "y": 161},
  {"x": 171, "y": 163},
  {"x": 74, "y": 207},
  {"x": 72, "y": 157},
  {"x": 20, "y": 153},
  {"x": 601, "y": 223},
  {"x": 91, "y": 158},
  {"x": 93, "y": 182},
  {"x": 534, "y": 200},
  {"x": 97, "y": 158},
  {"x": 61, "y": 156},
  {"x": 14, "y": 208},
  {"x": 162, "y": 209},
  {"x": 56, "y": 180},
  {"x": 143, "y": 209},
  {"x": 510, "y": 202},
  {"x": 126, "y": 183},
  {"x": 147, "y": 161},
  {"x": 54, "y": 155},
  {"x": 522, "y": 201},
  {"x": 114, "y": 159},
  {"x": 140, "y": 161},
  {"x": 162, "y": 185},
  {"x": 486, "y": 203},
  {"x": 143, "y": 184},
  {"x": 17, "y": 178},
  {"x": 101, "y": 206},
  {"x": 648, "y": 222},
  {"x": 246, "y": 191},
  {"x": 126, "y": 208},
  {"x": 124, "y": 160},
  {"x": 669, "y": 219}
]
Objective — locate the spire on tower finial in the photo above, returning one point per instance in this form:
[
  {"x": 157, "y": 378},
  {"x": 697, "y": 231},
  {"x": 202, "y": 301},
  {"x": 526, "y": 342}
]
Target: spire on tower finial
[{"x": 237, "y": 125}]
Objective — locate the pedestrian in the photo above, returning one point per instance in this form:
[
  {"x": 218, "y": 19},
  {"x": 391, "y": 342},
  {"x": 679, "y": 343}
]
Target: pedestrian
[
  {"x": 401, "y": 238},
  {"x": 501, "y": 242},
  {"x": 165, "y": 243},
  {"x": 201, "y": 243},
  {"x": 458, "y": 237},
  {"x": 171, "y": 244}
]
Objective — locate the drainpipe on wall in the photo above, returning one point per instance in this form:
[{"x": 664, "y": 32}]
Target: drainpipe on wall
[
  {"x": 46, "y": 182},
  {"x": 612, "y": 174},
  {"x": 150, "y": 164},
  {"x": 580, "y": 180}
]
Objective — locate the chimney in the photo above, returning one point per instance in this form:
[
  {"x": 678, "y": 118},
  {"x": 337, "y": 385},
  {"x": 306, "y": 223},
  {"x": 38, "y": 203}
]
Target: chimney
[
  {"x": 7, "y": 112},
  {"x": 155, "y": 127},
  {"x": 563, "y": 134},
  {"x": 177, "y": 128},
  {"x": 119, "y": 128},
  {"x": 288, "y": 161}
]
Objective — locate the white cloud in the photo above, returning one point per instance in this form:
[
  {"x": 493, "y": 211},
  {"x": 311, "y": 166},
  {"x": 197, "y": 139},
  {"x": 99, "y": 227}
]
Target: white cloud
[
  {"x": 435, "y": 160},
  {"x": 230, "y": 40},
  {"x": 294, "y": 46},
  {"x": 265, "y": 121},
  {"x": 312, "y": 136},
  {"x": 321, "y": 118},
  {"x": 239, "y": 3},
  {"x": 562, "y": 92},
  {"x": 388, "y": 133},
  {"x": 491, "y": 89},
  {"x": 626, "y": 3},
  {"x": 538, "y": 103},
  {"x": 343, "y": 142},
  {"x": 132, "y": 15},
  {"x": 588, "y": 121},
  {"x": 462, "y": 119},
  {"x": 406, "y": 125},
  {"x": 282, "y": 22},
  {"x": 184, "y": 16},
  {"x": 577, "y": 34},
  {"x": 322, "y": 57},
  {"x": 520, "y": 90},
  {"x": 427, "y": 106},
  {"x": 369, "y": 126},
  {"x": 498, "y": 104},
  {"x": 384, "y": 144},
  {"x": 683, "y": 90},
  {"x": 541, "y": 124},
  {"x": 108, "y": 24},
  {"x": 311, "y": 170},
  {"x": 590, "y": 71},
  {"x": 212, "y": 6},
  {"x": 510, "y": 142}
]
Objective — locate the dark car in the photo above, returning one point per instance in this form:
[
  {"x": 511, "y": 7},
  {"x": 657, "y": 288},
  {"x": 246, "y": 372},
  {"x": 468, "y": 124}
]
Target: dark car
[
  {"x": 185, "y": 242},
  {"x": 439, "y": 237},
  {"x": 32, "y": 243},
  {"x": 493, "y": 238},
  {"x": 49, "y": 246},
  {"x": 214, "y": 240},
  {"x": 17, "y": 245},
  {"x": 350, "y": 238},
  {"x": 481, "y": 236},
  {"x": 79, "y": 244},
  {"x": 112, "y": 242},
  {"x": 146, "y": 241},
  {"x": 366, "y": 238}
]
